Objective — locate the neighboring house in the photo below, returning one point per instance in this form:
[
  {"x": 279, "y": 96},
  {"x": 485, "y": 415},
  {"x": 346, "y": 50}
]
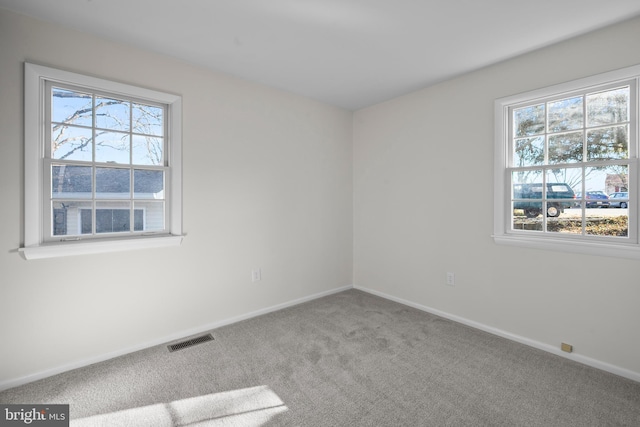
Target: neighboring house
[
  {"x": 616, "y": 182},
  {"x": 73, "y": 203}
]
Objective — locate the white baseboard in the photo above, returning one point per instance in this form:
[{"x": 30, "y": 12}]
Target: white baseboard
[
  {"x": 635, "y": 376},
  {"x": 4, "y": 385}
]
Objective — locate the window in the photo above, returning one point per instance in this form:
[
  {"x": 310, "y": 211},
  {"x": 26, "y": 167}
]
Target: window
[
  {"x": 563, "y": 154},
  {"x": 102, "y": 165}
]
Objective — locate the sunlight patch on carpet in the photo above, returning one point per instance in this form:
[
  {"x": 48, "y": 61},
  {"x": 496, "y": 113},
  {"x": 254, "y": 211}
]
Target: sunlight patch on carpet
[{"x": 252, "y": 406}]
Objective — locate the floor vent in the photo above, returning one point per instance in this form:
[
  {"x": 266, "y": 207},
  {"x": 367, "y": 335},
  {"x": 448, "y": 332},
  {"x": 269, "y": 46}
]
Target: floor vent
[{"x": 191, "y": 342}]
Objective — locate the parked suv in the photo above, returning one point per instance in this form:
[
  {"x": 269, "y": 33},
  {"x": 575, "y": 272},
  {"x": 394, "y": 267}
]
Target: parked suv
[{"x": 533, "y": 208}]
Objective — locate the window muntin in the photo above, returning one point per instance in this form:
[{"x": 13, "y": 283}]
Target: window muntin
[
  {"x": 102, "y": 150},
  {"x": 579, "y": 141},
  {"x": 582, "y": 133},
  {"x": 51, "y": 228}
]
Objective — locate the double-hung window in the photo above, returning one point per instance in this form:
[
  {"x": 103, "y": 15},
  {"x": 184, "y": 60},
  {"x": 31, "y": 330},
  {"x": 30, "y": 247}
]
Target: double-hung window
[
  {"x": 102, "y": 165},
  {"x": 560, "y": 153}
]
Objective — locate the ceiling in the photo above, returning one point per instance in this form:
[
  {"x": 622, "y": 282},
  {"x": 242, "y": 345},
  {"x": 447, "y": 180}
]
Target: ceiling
[{"x": 348, "y": 53}]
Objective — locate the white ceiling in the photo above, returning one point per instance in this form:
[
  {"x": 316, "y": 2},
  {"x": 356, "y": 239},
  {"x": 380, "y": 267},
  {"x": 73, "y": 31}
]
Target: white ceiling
[{"x": 349, "y": 53}]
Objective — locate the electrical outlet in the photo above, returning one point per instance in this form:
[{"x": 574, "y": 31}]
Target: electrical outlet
[
  {"x": 451, "y": 278},
  {"x": 566, "y": 347},
  {"x": 256, "y": 274}
]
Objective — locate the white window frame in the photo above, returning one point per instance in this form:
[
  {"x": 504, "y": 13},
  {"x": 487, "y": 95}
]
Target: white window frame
[
  {"x": 35, "y": 246},
  {"x": 503, "y": 234}
]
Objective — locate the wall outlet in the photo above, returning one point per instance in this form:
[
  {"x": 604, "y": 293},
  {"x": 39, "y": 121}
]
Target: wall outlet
[
  {"x": 256, "y": 274},
  {"x": 566, "y": 347},
  {"x": 451, "y": 278}
]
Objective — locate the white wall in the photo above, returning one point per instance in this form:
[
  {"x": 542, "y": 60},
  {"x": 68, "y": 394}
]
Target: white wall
[
  {"x": 423, "y": 189},
  {"x": 267, "y": 183}
]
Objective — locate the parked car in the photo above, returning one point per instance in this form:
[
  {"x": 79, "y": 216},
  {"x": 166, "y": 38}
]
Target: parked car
[
  {"x": 594, "y": 199},
  {"x": 522, "y": 193},
  {"x": 619, "y": 199}
]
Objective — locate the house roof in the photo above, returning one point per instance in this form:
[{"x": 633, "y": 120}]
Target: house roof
[{"x": 78, "y": 179}]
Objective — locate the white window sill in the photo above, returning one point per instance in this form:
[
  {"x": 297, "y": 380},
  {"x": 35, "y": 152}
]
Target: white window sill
[
  {"x": 617, "y": 250},
  {"x": 60, "y": 249}
]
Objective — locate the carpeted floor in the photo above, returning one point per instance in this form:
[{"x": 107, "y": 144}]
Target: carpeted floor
[{"x": 349, "y": 359}]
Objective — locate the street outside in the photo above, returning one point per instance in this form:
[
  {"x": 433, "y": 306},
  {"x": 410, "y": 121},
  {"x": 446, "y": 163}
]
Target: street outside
[{"x": 595, "y": 212}]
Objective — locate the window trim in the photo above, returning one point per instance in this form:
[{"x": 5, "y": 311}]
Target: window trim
[
  {"x": 34, "y": 133},
  {"x": 501, "y": 233}
]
